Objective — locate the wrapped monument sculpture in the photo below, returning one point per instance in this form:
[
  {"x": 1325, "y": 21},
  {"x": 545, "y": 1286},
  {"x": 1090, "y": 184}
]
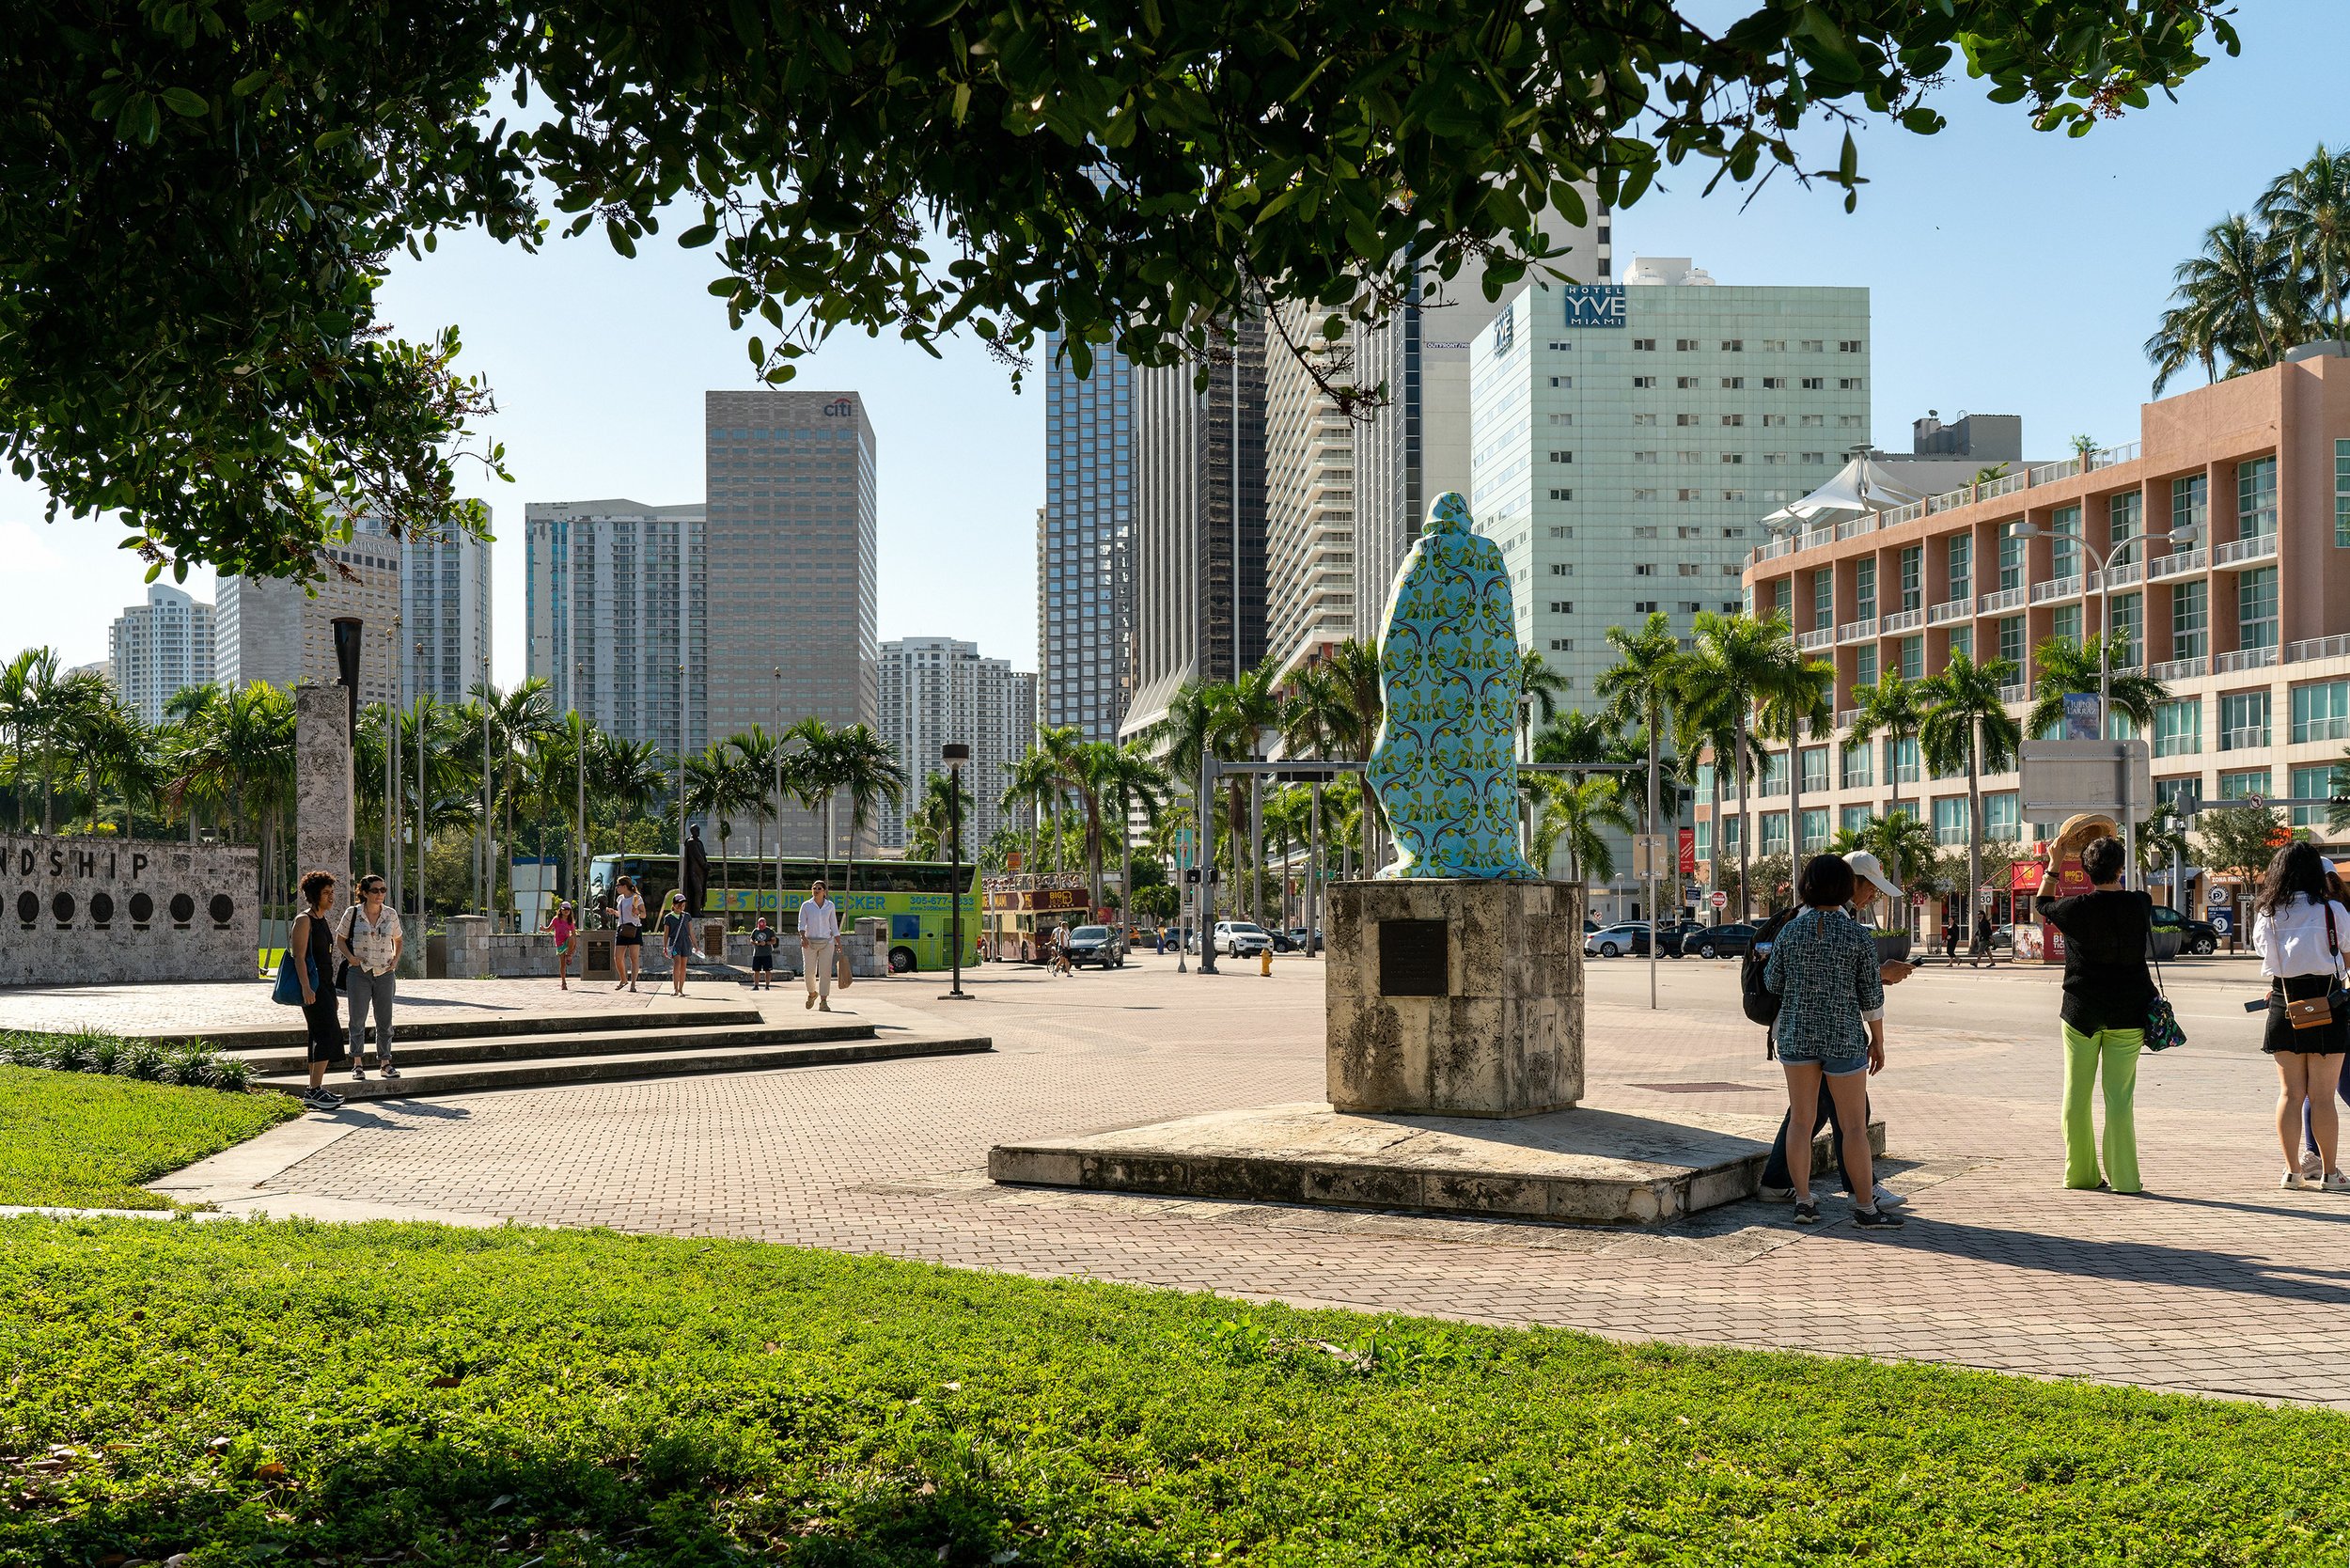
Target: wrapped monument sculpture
[{"x": 1456, "y": 977}]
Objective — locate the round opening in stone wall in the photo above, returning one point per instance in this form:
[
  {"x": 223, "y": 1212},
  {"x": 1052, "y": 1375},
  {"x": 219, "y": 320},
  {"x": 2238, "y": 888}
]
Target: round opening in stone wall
[
  {"x": 142, "y": 908},
  {"x": 28, "y": 907},
  {"x": 102, "y": 908},
  {"x": 62, "y": 907},
  {"x": 182, "y": 908},
  {"x": 223, "y": 908}
]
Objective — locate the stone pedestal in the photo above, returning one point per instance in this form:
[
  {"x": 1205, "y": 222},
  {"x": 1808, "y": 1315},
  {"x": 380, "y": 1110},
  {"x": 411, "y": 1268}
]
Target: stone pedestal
[
  {"x": 1455, "y": 997},
  {"x": 322, "y": 788}
]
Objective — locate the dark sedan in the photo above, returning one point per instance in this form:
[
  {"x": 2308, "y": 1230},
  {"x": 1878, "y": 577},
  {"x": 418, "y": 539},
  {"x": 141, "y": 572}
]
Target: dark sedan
[
  {"x": 1726, "y": 941},
  {"x": 1098, "y": 946}
]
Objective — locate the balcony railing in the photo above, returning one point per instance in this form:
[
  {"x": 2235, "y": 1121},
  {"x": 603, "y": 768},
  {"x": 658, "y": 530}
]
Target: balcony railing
[
  {"x": 2015, "y": 693},
  {"x": 1811, "y": 642},
  {"x": 2238, "y": 550},
  {"x": 2046, "y": 473},
  {"x": 1856, "y": 631},
  {"x": 2117, "y": 576},
  {"x": 1782, "y": 545},
  {"x": 2061, "y": 588},
  {"x": 1903, "y": 620},
  {"x": 1847, "y": 718},
  {"x": 2178, "y": 563},
  {"x": 2178, "y": 669},
  {"x": 1853, "y": 528},
  {"x": 1950, "y": 610},
  {"x": 2245, "y": 658},
  {"x": 1814, "y": 539},
  {"x": 2006, "y": 599},
  {"x": 2317, "y": 648}
]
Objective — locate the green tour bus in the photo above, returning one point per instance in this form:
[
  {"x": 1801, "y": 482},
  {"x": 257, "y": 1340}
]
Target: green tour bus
[{"x": 912, "y": 895}]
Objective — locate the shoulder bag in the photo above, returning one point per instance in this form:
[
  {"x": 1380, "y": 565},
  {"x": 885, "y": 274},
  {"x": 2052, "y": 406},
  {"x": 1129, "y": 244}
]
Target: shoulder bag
[
  {"x": 2162, "y": 1026},
  {"x": 2317, "y": 1012},
  {"x": 287, "y": 991}
]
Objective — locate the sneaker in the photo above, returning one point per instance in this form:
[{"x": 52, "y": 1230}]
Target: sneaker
[
  {"x": 1775, "y": 1195},
  {"x": 2292, "y": 1181},
  {"x": 1877, "y": 1219},
  {"x": 1886, "y": 1196},
  {"x": 323, "y": 1100},
  {"x": 2336, "y": 1182},
  {"x": 823, "y": 1007},
  {"x": 811, "y": 999},
  {"x": 1806, "y": 1212},
  {"x": 390, "y": 1072},
  {"x": 2312, "y": 1168},
  {"x": 358, "y": 1074}
]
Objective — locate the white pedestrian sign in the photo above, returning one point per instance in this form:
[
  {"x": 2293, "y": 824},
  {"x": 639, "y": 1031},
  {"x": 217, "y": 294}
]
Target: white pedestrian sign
[{"x": 1720, "y": 900}]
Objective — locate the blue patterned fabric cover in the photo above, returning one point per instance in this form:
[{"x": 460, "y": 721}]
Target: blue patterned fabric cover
[{"x": 1446, "y": 762}]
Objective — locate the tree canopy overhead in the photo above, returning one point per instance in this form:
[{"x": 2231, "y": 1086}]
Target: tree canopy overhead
[{"x": 199, "y": 199}]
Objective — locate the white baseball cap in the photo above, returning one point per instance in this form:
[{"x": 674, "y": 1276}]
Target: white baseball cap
[{"x": 1865, "y": 864}]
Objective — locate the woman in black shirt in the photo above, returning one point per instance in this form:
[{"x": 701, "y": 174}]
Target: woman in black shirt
[{"x": 2107, "y": 988}]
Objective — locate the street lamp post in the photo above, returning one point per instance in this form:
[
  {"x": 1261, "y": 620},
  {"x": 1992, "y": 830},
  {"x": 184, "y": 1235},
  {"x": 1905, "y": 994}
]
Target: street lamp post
[
  {"x": 489, "y": 809},
  {"x": 2104, "y": 561},
  {"x": 421, "y": 812},
  {"x": 391, "y": 766},
  {"x": 778, "y": 796},
  {"x": 954, "y": 754},
  {"x": 579, "y": 814}
]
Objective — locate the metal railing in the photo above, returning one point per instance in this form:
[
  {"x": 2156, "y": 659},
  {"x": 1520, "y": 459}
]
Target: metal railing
[
  {"x": 1856, "y": 631},
  {"x": 1782, "y": 545},
  {"x": 1811, "y": 642},
  {"x": 1847, "y": 718},
  {"x": 2178, "y": 669},
  {"x": 2178, "y": 563},
  {"x": 1954, "y": 609},
  {"x": 2006, "y": 599},
  {"x": 2237, "y": 550},
  {"x": 1814, "y": 539},
  {"x": 1949, "y": 500},
  {"x": 2057, "y": 588},
  {"x": 2117, "y": 576},
  {"x": 1903, "y": 620},
  {"x": 2015, "y": 693},
  {"x": 2245, "y": 658},
  {"x": 1853, "y": 528},
  {"x": 2317, "y": 648}
]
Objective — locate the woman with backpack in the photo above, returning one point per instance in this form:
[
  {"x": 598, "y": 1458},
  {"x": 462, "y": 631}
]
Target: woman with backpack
[
  {"x": 1822, "y": 968},
  {"x": 2299, "y": 932}
]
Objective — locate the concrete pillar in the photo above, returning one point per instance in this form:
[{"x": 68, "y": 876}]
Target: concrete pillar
[{"x": 322, "y": 787}]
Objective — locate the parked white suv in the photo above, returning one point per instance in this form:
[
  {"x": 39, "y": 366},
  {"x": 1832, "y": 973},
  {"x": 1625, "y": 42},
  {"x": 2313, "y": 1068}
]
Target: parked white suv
[{"x": 1241, "y": 938}]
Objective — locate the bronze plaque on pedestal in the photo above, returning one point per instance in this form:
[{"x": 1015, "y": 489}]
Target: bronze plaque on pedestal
[{"x": 1413, "y": 958}]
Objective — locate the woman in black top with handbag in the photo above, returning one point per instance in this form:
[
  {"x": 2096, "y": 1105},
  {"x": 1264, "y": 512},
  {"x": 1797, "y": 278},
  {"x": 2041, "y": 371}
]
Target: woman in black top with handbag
[
  {"x": 312, "y": 940},
  {"x": 2106, "y": 989}
]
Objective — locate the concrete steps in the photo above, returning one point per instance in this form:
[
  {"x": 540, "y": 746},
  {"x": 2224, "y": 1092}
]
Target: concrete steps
[
  {"x": 423, "y": 1020},
  {"x": 618, "y": 1057},
  {"x": 411, "y": 1051}
]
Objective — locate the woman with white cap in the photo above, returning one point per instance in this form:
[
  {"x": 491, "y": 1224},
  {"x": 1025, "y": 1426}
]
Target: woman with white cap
[{"x": 2298, "y": 930}]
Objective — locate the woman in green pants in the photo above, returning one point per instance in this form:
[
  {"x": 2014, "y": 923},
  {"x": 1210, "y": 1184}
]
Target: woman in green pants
[{"x": 2107, "y": 988}]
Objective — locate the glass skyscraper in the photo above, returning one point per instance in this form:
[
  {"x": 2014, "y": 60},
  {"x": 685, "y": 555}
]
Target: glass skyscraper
[{"x": 1085, "y": 545}]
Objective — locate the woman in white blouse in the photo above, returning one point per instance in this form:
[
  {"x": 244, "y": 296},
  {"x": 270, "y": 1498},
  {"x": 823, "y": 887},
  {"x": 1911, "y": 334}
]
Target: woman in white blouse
[{"x": 2299, "y": 931}]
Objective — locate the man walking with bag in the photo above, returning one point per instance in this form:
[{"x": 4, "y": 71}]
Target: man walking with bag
[{"x": 819, "y": 933}]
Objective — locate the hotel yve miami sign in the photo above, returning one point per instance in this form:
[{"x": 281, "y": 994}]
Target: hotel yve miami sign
[{"x": 1594, "y": 304}]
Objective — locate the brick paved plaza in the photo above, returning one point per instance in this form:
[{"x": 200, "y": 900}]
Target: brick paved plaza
[{"x": 2216, "y": 1283}]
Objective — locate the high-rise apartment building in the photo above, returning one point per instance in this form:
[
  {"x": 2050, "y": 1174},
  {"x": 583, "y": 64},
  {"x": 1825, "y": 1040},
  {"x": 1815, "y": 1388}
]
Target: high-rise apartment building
[
  {"x": 443, "y": 615},
  {"x": 1085, "y": 544},
  {"x": 1418, "y": 444},
  {"x": 617, "y": 623},
  {"x": 1199, "y": 523},
  {"x": 1630, "y": 437},
  {"x": 1310, "y": 492},
  {"x": 934, "y": 690},
  {"x": 791, "y": 570},
  {"x": 156, "y": 648},
  {"x": 276, "y": 630}
]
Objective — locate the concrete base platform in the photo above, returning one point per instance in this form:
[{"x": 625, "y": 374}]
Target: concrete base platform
[{"x": 1587, "y": 1165}]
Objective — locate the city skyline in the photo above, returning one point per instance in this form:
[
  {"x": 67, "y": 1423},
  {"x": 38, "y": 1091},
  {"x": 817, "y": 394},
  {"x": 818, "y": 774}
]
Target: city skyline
[{"x": 1958, "y": 298}]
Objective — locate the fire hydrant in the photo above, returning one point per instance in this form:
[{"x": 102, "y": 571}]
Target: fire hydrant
[{"x": 1265, "y": 961}]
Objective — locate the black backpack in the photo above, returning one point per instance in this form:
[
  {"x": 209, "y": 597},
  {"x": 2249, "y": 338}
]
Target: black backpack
[{"x": 1759, "y": 1001}]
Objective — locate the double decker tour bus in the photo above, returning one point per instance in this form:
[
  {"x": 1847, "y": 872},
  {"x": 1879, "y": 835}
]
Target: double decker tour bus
[{"x": 916, "y": 897}]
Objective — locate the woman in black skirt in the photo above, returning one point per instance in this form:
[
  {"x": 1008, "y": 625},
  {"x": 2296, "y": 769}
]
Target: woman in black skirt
[
  {"x": 313, "y": 944},
  {"x": 2299, "y": 932}
]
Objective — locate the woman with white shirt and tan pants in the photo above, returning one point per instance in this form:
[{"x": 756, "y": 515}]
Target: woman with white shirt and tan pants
[{"x": 2298, "y": 932}]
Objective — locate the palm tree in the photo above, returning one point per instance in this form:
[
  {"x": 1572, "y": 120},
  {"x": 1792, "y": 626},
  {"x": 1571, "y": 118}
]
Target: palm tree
[
  {"x": 624, "y": 779},
  {"x": 1796, "y": 698},
  {"x": 2239, "y": 299},
  {"x": 759, "y": 756},
  {"x": 2062, "y": 667},
  {"x": 1968, "y": 724},
  {"x": 1735, "y": 664},
  {"x": 717, "y": 785},
  {"x": 1032, "y": 783},
  {"x": 2308, "y": 210},
  {"x": 1539, "y": 687},
  {"x": 27, "y": 682},
  {"x": 1574, "y": 812},
  {"x": 1639, "y": 692},
  {"x": 934, "y": 814},
  {"x": 519, "y": 720},
  {"x": 1353, "y": 670},
  {"x": 1894, "y": 709},
  {"x": 864, "y": 768},
  {"x": 1901, "y": 841},
  {"x": 1252, "y": 710},
  {"x": 1124, "y": 777}
]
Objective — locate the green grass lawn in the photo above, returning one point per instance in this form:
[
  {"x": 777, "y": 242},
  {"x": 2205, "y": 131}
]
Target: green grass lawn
[
  {"x": 86, "y": 1141},
  {"x": 389, "y": 1394}
]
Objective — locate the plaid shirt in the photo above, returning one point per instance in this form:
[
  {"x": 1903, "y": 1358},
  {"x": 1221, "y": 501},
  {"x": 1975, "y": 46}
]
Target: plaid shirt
[{"x": 1823, "y": 970}]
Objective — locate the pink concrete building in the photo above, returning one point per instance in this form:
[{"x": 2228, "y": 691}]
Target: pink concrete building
[{"x": 2248, "y": 623}]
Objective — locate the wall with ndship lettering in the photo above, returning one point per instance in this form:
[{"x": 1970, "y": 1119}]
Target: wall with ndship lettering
[{"x": 99, "y": 910}]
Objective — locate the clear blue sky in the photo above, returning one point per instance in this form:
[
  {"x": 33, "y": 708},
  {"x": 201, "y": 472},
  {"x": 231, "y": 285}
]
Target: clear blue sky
[{"x": 2010, "y": 273}]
